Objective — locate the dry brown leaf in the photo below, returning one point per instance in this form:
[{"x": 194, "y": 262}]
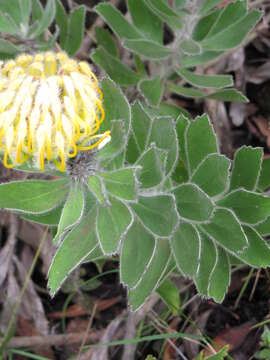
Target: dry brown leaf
[
  {"x": 31, "y": 234},
  {"x": 264, "y": 127},
  {"x": 31, "y": 306},
  {"x": 7, "y": 251},
  {"x": 72, "y": 311},
  {"x": 104, "y": 304},
  {"x": 9, "y": 298},
  {"x": 169, "y": 351},
  {"x": 258, "y": 75},
  {"x": 232, "y": 336},
  {"x": 27, "y": 328}
]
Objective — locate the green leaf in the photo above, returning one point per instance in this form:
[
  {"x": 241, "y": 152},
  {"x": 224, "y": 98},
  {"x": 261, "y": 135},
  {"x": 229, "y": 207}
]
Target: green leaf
[
  {"x": 95, "y": 256},
  {"x": 152, "y": 276},
  {"x": 25, "y": 10},
  {"x": 225, "y": 229},
  {"x": 163, "y": 134},
  {"x": 112, "y": 223},
  {"x": 117, "y": 21},
  {"x": 119, "y": 72},
  {"x": 246, "y": 168},
  {"x": 264, "y": 180},
  {"x": 37, "y": 11},
  {"x": 229, "y": 16},
  {"x": 7, "y": 48},
  {"x": 11, "y": 12},
  {"x": 141, "y": 126},
  {"x": 121, "y": 183},
  {"x": 171, "y": 109},
  {"x": 187, "y": 92},
  {"x": 212, "y": 175},
  {"x": 170, "y": 295},
  {"x": 51, "y": 218},
  {"x": 72, "y": 211},
  {"x": 204, "y": 58},
  {"x": 226, "y": 95},
  {"x": 115, "y": 105},
  {"x": 208, "y": 260},
  {"x": 192, "y": 203},
  {"x": 33, "y": 196},
  {"x": 186, "y": 246},
  {"x": 61, "y": 20},
  {"x": 148, "y": 49},
  {"x": 146, "y": 21},
  {"x": 199, "y": 133},
  {"x": 75, "y": 31},
  {"x": 153, "y": 168},
  {"x": 80, "y": 242},
  {"x": 152, "y": 90},
  {"x": 165, "y": 13},
  {"x": 206, "y": 81},
  {"x": 106, "y": 40},
  {"x": 257, "y": 254},
  {"x": 117, "y": 143},
  {"x": 97, "y": 187},
  {"x": 221, "y": 354},
  {"x": 209, "y": 5},
  {"x": 263, "y": 228},
  {"x": 233, "y": 35},
  {"x": 249, "y": 207},
  {"x": 220, "y": 277},
  {"x": 46, "y": 20},
  {"x": 205, "y": 24},
  {"x": 136, "y": 254},
  {"x": 190, "y": 47},
  {"x": 157, "y": 213},
  {"x": 182, "y": 123},
  {"x": 7, "y": 25}
]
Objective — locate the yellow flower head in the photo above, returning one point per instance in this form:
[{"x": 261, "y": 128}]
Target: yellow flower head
[{"x": 50, "y": 108}]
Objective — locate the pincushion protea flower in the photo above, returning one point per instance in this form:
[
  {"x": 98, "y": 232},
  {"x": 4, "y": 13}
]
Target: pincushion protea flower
[{"x": 50, "y": 108}]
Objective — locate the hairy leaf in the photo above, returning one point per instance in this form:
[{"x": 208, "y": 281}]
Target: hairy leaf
[
  {"x": 158, "y": 213},
  {"x": 246, "y": 168},
  {"x": 146, "y": 21},
  {"x": 148, "y": 49},
  {"x": 212, "y": 175},
  {"x": 72, "y": 211},
  {"x": 77, "y": 245},
  {"x": 206, "y": 81},
  {"x": 152, "y": 89},
  {"x": 186, "y": 247},
  {"x": 250, "y": 207},
  {"x": 225, "y": 229},
  {"x": 152, "y": 276},
  {"x": 121, "y": 183},
  {"x": 192, "y": 203},
  {"x": 112, "y": 222},
  {"x": 119, "y": 72},
  {"x": 33, "y": 196},
  {"x": 200, "y": 132},
  {"x": 208, "y": 260},
  {"x": 117, "y": 21},
  {"x": 257, "y": 254},
  {"x": 136, "y": 254},
  {"x": 220, "y": 277}
]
